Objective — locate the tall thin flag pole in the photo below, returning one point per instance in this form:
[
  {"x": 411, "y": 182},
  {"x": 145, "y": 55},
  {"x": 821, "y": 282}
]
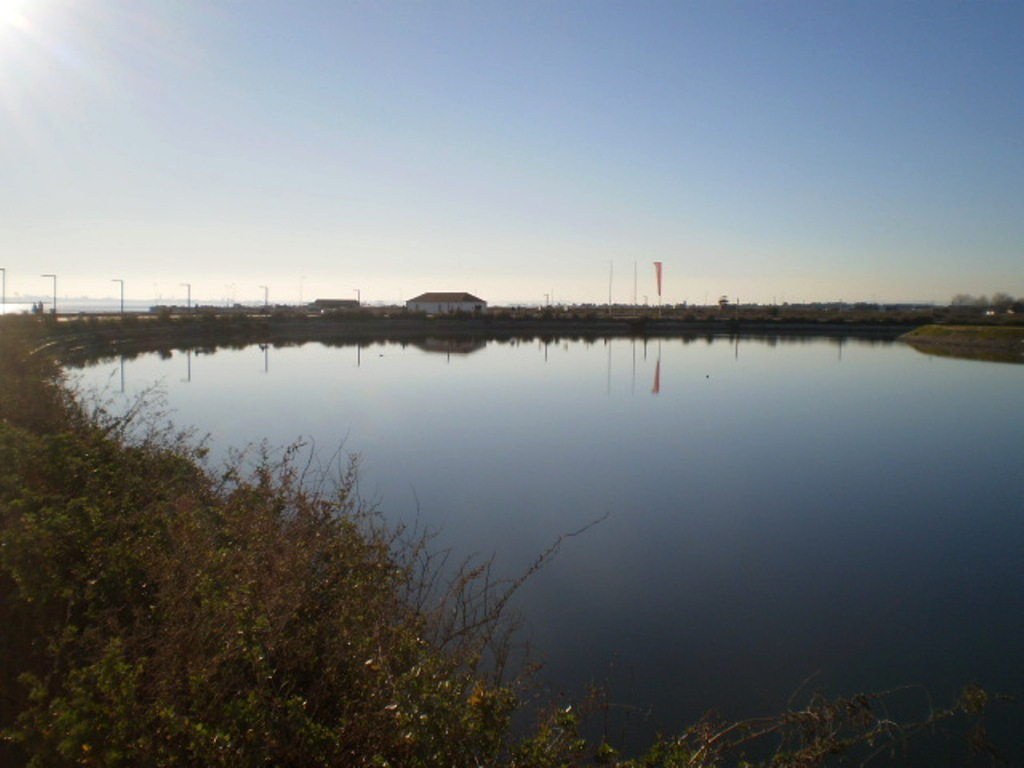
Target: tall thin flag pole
[
  {"x": 634, "y": 282},
  {"x": 657, "y": 274},
  {"x": 121, "y": 282},
  {"x": 611, "y": 272}
]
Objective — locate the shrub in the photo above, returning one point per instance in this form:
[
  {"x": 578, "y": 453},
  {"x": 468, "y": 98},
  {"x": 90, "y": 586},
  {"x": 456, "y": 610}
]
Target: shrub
[{"x": 164, "y": 613}]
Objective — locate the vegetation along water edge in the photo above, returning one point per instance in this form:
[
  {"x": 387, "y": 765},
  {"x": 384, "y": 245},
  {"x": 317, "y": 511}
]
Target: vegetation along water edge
[
  {"x": 157, "y": 610},
  {"x": 975, "y": 342}
]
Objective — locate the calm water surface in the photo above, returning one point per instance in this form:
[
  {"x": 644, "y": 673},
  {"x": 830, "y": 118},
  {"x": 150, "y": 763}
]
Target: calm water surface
[{"x": 845, "y": 513}]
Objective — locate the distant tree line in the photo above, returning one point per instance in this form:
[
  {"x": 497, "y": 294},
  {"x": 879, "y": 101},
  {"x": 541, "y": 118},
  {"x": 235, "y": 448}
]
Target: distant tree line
[{"x": 998, "y": 301}]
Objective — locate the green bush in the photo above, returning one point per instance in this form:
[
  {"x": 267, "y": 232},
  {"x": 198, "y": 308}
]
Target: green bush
[{"x": 162, "y": 613}]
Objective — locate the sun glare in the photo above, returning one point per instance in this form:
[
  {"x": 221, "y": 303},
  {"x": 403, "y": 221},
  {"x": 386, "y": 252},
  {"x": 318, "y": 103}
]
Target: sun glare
[{"x": 14, "y": 13}]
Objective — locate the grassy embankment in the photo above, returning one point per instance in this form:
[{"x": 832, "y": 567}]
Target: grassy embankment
[
  {"x": 976, "y": 342},
  {"x": 158, "y": 611}
]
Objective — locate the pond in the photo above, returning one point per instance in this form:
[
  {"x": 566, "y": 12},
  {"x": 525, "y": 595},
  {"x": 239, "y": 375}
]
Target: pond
[{"x": 776, "y": 515}]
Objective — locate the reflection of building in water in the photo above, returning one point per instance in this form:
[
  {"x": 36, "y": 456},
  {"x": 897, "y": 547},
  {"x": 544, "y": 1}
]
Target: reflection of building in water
[
  {"x": 445, "y": 303},
  {"x": 328, "y": 304},
  {"x": 450, "y": 346}
]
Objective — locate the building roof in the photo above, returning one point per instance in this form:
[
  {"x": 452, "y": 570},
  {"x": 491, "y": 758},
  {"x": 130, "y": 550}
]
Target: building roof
[{"x": 447, "y": 298}]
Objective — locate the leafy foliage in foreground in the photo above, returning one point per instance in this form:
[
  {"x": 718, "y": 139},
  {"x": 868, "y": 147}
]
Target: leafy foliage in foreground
[{"x": 156, "y": 612}]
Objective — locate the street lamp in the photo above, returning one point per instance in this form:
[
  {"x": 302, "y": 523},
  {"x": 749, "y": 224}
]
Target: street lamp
[
  {"x": 188, "y": 287},
  {"x": 359, "y": 297},
  {"x": 118, "y": 280},
  {"x": 3, "y": 292},
  {"x": 54, "y": 310},
  {"x": 266, "y": 296}
]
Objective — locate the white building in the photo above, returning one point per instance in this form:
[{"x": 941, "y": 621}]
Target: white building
[{"x": 444, "y": 303}]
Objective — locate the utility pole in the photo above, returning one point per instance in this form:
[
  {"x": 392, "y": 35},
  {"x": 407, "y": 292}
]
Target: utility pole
[
  {"x": 611, "y": 272},
  {"x": 188, "y": 300},
  {"x": 116, "y": 280},
  {"x": 266, "y": 296}
]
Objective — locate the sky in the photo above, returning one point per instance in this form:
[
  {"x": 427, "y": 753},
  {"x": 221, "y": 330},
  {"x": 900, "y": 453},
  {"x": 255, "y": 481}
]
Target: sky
[{"x": 526, "y": 151}]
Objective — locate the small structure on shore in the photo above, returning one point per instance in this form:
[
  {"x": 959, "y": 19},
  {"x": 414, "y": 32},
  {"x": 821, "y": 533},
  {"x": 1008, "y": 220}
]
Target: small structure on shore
[{"x": 446, "y": 303}]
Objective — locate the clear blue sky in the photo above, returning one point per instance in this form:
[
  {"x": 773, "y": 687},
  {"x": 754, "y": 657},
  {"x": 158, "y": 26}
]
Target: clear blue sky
[{"x": 779, "y": 151}]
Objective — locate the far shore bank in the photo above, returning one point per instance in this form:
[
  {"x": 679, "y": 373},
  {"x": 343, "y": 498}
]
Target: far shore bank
[
  {"x": 77, "y": 339},
  {"x": 975, "y": 342},
  {"x": 84, "y": 338}
]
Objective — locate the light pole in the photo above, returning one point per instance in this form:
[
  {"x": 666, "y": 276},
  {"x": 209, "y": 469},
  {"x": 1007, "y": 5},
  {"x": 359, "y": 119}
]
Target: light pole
[
  {"x": 3, "y": 292},
  {"x": 266, "y": 296},
  {"x": 118, "y": 280},
  {"x": 54, "y": 310},
  {"x": 359, "y": 297},
  {"x": 188, "y": 301}
]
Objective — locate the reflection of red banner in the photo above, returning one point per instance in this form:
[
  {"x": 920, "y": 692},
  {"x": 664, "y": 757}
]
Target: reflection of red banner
[
  {"x": 657, "y": 378},
  {"x": 657, "y": 272}
]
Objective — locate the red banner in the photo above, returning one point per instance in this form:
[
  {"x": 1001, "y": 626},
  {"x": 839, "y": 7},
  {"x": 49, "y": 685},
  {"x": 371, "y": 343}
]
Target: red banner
[{"x": 657, "y": 272}]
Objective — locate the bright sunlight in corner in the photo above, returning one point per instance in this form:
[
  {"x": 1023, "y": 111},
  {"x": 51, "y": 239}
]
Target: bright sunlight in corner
[{"x": 14, "y": 13}]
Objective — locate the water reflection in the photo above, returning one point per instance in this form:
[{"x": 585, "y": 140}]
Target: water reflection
[
  {"x": 838, "y": 509},
  {"x": 451, "y": 347}
]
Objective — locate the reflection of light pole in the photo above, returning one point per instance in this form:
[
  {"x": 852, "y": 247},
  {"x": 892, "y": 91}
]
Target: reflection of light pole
[
  {"x": 266, "y": 296},
  {"x": 188, "y": 287},
  {"x": 116, "y": 280},
  {"x": 54, "y": 310},
  {"x": 359, "y": 297}
]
